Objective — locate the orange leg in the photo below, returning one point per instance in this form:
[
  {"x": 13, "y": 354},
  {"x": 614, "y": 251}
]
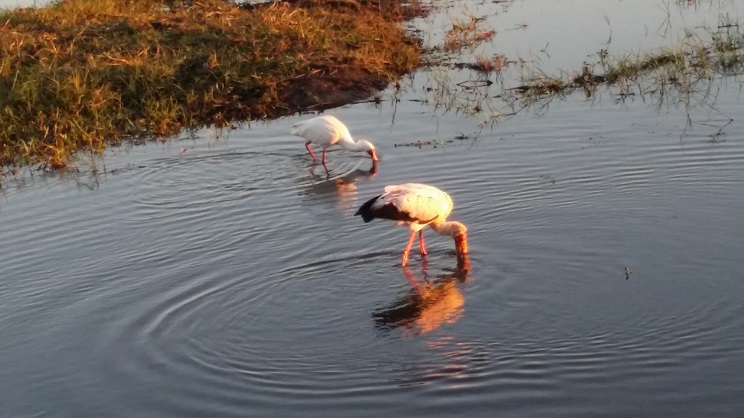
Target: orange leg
[
  {"x": 324, "y": 156},
  {"x": 422, "y": 247},
  {"x": 408, "y": 247},
  {"x": 307, "y": 145}
]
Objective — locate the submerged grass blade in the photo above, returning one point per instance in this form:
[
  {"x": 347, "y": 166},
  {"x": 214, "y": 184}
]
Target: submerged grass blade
[{"x": 681, "y": 68}]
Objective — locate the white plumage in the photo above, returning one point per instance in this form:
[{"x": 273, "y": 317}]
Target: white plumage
[
  {"x": 327, "y": 131},
  {"x": 416, "y": 205}
]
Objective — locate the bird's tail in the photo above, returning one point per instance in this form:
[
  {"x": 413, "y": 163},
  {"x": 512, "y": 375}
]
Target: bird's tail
[{"x": 366, "y": 210}]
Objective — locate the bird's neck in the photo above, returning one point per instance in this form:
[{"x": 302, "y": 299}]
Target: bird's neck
[
  {"x": 352, "y": 145},
  {"x": 458, "y": 232},
  {"x": 451, "y": 228}
]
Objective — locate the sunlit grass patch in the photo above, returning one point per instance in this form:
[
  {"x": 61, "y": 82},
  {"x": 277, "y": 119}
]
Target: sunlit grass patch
[{"x": 79, "y": 74}]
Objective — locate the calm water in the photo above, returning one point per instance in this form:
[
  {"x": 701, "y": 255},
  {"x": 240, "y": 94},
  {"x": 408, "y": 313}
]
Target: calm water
[{"x": 228, "y": 277}]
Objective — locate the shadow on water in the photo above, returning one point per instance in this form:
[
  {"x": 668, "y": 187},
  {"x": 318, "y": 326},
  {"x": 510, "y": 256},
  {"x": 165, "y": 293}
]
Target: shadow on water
[{"x": 428, "y": 304}]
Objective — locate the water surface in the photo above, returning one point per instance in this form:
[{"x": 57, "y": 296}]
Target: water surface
[{"x": 229, "y": 277}]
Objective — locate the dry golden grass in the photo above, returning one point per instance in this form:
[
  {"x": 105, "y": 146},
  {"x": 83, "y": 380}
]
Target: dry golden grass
[
  {"x": 79, "y": 75},
  {"x": 466, "y": 35},
  {"x": 494, "y": 64}
]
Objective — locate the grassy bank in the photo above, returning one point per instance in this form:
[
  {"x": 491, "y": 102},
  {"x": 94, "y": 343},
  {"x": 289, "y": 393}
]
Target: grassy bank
[{"x": 80, "y": 74}]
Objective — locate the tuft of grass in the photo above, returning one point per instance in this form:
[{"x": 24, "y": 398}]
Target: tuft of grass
[
  {"x": 466, "y": 34},
  {"x": 685, "y": 73},
  {"x": 494, "y": 64},
  {"x": 681, "y": 67},
  {"x": 79, "y": 75}
]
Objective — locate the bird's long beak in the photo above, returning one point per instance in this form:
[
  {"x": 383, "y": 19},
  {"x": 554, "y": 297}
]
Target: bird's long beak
[
  {"x": 373, "y": 153},
  {"x": 373, "y": 170},
  {"x": 461, "y": 244},
  {"x": 463, "y": 265},
  {"x": 461, "y": 249}
]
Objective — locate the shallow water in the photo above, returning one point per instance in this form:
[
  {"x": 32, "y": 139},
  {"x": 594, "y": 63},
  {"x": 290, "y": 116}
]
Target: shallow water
[{"x": 229, "y": 277}]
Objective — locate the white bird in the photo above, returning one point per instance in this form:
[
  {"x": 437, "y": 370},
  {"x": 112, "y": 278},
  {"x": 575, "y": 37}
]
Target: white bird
[
  {"x": 417, "y": 205},
  {"x": 326, "y": 131}
]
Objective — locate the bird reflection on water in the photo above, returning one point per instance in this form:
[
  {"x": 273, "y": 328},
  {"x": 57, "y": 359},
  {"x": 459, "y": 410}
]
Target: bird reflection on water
[
  {"x": 338, "y": 184},
  {"x": 428, "y": 304},
  {"x": 322, "y": 174}
]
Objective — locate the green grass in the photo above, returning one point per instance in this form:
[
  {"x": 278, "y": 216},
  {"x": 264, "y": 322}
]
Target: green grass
[{"x": 80, "y": 75}]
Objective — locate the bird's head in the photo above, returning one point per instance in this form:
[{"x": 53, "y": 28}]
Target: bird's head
[
  {"x": 460, "y": 234},
  {"x": 371, "y": 150}
]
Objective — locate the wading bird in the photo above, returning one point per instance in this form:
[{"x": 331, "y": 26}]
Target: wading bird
[
  {"x": 326, "y": 131},
  {"x": 417, "y": 205}
]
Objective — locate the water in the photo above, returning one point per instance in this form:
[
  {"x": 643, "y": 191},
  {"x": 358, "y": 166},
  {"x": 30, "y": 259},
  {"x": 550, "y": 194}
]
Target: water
[
  {"x": 22, "y": 3},
  {"x": 229, "y": 277}
]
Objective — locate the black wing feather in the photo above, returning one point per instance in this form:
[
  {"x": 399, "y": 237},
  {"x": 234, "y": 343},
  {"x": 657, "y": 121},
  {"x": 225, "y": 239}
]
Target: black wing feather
[{"x": 386, "y": 211}]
